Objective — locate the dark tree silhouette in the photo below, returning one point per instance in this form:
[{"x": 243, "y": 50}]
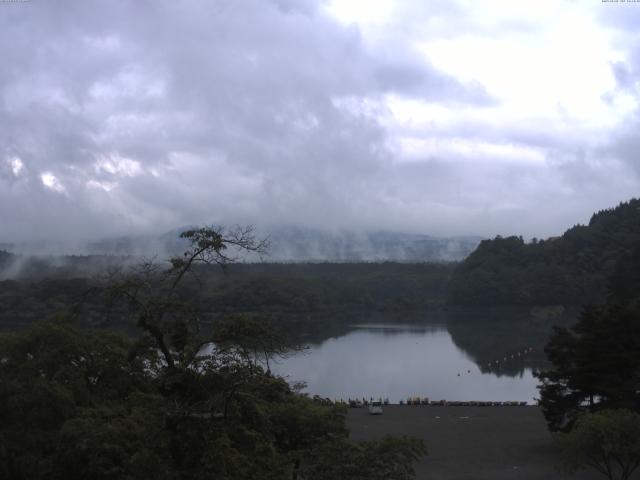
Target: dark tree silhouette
[{"x": 596, "y": 363}]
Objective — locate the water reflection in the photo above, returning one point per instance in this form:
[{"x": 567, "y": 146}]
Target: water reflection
[
  {"x": 398, "y": 361},
  {"x": 509, "y": 340},
  {"x": 391, "y": 329}
]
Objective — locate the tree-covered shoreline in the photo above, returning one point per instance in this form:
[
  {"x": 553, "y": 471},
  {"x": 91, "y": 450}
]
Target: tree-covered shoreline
[
  {"x": 568, "y": 270},
  {"x": 79, "y": 403}
]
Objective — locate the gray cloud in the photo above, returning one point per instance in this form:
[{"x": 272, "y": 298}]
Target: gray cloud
[
  {"x": 623, "y": 144},
  {"x": 133, "y": 117}
]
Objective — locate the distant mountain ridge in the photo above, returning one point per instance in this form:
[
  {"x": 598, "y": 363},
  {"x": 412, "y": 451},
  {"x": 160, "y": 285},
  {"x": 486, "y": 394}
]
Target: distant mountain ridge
[
  {"x": 301, "y": 244},
  {"x": 571, "y": 269}
]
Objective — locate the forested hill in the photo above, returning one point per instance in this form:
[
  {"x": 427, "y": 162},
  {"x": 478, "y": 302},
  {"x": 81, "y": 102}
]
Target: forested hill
[{"x": 570, "y": 270}]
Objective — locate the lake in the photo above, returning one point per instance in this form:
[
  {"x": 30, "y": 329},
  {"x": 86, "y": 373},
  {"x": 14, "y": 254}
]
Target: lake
[{"x": 397, "y": 361}]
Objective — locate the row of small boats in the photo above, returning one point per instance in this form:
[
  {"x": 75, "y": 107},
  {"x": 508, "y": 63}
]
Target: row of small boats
[
  {"x": 472, "y": 403},
  {"x": 441, "y": 403},
  {"x": 412, "y": 401},
  {"x": 357, "y": 403}
]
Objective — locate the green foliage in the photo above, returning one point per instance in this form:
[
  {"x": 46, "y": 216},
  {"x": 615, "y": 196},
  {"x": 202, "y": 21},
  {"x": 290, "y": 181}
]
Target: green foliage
[
  {"x": 304, "y": 298},
  {"x": 569, "y": 270},
  {"x": 328, "y": 287},
  {"x": 390, "y": 459},
  {"x": 171, "y": 404},
  {"x": 608, "y": 441},
  {"x": 75, "y": 404},
  {"x": 255, "y": 340},
  {"x": 51, "y": 377},
  {"x": 596, "y": 363}
]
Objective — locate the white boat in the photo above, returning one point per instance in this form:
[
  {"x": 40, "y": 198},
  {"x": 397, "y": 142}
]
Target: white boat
[{"x": 375, "y": 408}]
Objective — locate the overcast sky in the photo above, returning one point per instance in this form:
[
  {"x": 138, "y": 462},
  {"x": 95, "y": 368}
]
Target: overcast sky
[{"x": 440, "y": 117}]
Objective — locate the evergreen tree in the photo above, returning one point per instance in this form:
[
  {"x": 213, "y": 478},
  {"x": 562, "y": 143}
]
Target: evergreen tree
[
  {"x": 596, "y": 363},
  {"x": 568, "y": 270}
]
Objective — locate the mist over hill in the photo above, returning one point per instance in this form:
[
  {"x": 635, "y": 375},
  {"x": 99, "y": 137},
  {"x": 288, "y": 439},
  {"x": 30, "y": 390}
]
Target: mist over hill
[
  {"x": 287, "y": 244},
  {"x": 295, "y": 244}
]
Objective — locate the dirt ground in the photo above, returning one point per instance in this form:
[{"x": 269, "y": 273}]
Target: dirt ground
[{"x": 471, "y": 443}]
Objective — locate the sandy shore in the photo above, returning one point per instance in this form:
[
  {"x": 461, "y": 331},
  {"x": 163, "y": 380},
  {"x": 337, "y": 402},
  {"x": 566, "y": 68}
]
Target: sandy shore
[{"x": 470, "y": 443}]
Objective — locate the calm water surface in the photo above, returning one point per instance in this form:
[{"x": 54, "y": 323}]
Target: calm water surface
[{"x": 399, "y": 361}]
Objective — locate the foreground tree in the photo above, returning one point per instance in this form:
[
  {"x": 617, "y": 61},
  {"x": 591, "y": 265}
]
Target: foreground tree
[
  {"x": 75, "y": 405},
  {"x": 170, "y": 404},
  {"x": 607, "y": 441},
  {"x": 596, "y": 363},
  {"x": 390, "y": 458},
  {"x": 66, "y": 409},
  {"x": 152, "y": 294}
]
